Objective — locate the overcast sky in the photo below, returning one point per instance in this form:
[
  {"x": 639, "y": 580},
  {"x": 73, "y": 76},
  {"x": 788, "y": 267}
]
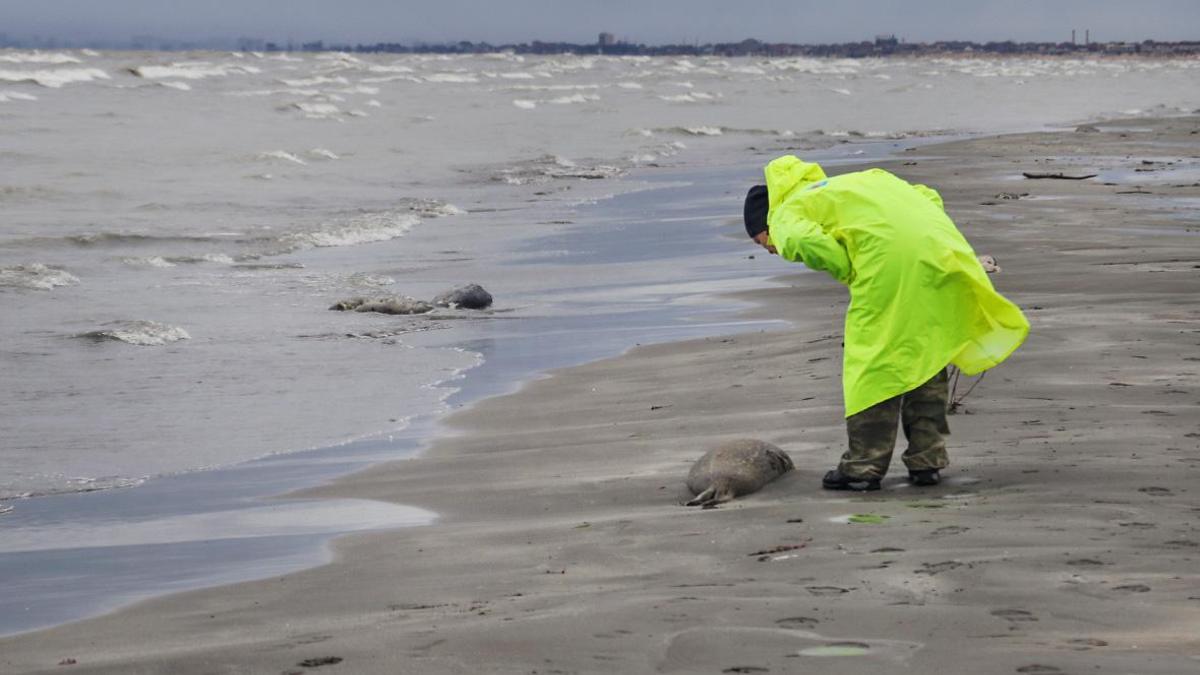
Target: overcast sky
[{"x": 648, "y": 21}]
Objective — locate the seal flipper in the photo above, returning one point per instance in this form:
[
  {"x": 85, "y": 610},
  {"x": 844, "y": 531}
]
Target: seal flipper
[
  {"x": 703, "y": 498},
  {"x": 717, "y": 493}
]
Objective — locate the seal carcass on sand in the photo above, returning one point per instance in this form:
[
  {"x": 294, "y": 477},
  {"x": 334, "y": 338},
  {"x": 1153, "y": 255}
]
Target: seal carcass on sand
[{"x": 735, "y": 468}]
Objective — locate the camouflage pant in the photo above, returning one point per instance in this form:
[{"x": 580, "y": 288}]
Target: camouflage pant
[{"x": 872, "y": 432}]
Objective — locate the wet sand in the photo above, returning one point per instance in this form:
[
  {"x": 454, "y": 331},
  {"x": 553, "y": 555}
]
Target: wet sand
[{"x": 1064, "y": 539}]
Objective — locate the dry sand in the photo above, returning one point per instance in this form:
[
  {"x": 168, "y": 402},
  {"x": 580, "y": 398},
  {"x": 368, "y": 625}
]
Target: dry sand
[{"x": 1063, "y": 541}]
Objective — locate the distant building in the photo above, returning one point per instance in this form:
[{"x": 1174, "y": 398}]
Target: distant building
[
  {"x": 886, "y": 41},
  {"x": 607, "y": 40}
]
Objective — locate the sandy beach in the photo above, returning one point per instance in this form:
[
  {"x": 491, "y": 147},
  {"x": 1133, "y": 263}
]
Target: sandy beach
[{"x": 1062, "y": 540}]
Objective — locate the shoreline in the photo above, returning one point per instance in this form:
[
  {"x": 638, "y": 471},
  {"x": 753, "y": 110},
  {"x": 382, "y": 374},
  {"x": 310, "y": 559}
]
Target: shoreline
[{"x": 583, "y": 465}]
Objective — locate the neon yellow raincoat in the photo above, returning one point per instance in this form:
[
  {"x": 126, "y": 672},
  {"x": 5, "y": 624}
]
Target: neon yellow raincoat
[{"x": 919, "y": 299}]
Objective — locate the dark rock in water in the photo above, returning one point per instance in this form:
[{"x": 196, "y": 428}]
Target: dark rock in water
[
  {"x": 471, "y": 296},
  {"x": 1087, "y": 129},
  {"x": 396, "y": 304}
]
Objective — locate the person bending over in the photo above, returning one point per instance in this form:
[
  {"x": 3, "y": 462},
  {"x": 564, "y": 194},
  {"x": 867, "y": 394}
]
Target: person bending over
[{"x": 919, "y": 301}]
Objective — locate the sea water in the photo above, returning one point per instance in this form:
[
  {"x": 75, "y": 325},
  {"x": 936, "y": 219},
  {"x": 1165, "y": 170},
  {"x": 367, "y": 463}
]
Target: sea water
[
  {"x": 176, "y": 224},
  {"x": 175, "y": 227}
]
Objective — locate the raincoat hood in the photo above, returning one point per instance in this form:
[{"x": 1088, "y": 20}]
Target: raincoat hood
[{"x": 788, "y": 174}]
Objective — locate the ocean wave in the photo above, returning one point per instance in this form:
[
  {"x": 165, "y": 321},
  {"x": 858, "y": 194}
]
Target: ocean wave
[
  {"x": 691, "y": 97},
  {"x": 393, "y": 68},
  {"x": 694, "y": 131},
  {"x": 140, "y": 333},
  {"x": 392, "y": 78},
  {"x": 192, "y": 70},
  {"x": 156, "y": 261},
  {"x": 54, "y": 78},
  {"x": 280, "y": 155},
  {"x": 553, "y": 87},
  {"x": 36, "y": 276},
  {"x": 315, "y": 110},
  {"x": 322, "y": 153},
  {"x": 361, "y": 229},
  {"x": 11, "y": 193},
  {"x": 452, "y": 78},
  {"x": 172, "y": 261},
  {"x": 430, "y": 208},
  {"x": 6, "y": 96},
  {"x": 314, "y": 81},
  {"x": 115, "y": 239},
  {"x": 574, "y": 98},
  {"x": 549, "y": 167},
  {"x": 53, "y": 58}
]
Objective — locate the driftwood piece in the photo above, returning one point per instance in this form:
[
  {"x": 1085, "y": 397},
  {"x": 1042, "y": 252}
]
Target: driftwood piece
[{"x": 1058, "y": 174}]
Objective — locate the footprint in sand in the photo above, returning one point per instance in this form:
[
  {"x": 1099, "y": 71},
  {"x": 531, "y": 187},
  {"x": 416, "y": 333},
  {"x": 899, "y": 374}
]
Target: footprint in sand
[
  {"x": 1014, "y": 615},
  {"x": 797, "y": 622},
  {"x": 320, "y": 661},
  {"x": 826, "y": 590},
  {"x": 1083, "y": 644},
  {"x": 933, "y": 569},
  {"x": 1155, "y": 490}
]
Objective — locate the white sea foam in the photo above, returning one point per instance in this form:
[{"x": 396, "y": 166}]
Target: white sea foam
[
  {"x": 630, "y": 85},
  {"x": 456, "y": 78},
  {"x": 316, "y": 110},
  {"x": 52, "y": 58},
  {"x": 218, "y": 258},
  {"x": 554, "y": 87},
  {"x": 393, "y": 78},
  {"x": 575, "y": 98},
  {"x": 281, "y": 155},
  {"x": 9, "y": 95},
  {"x": 548, "y": 167},
  {"x": 191, "y": 70},
  {"x": 322, "y": 153},
  {"x": 431, "y": 208},
  {"x": 36, "y": 276},
  {"x": 394, "y": 68},
  {"x": 339, "y": 57},
  {"x": 703, "y": 131},
  {"x": 525, "y": 103},
  {"x": 54, "y": 78},
  {"x": 147, "y": 261},
  {"x": 314, "y": 81},
  {"x": 181, "y": 86},
  {"x": 360, "y": 229},
  {"x": 140, "y": 333},
  {"x": 360, "y": 89}
]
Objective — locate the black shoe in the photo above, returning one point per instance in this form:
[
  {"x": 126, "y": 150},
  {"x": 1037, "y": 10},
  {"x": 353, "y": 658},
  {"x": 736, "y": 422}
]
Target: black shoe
[
  {"x": 836, "y": 480},
  {"x": 924, "y": 477}
]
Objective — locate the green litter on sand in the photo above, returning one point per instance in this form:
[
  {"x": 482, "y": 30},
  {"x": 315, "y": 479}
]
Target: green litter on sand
[{"x": 867, "y": 519}]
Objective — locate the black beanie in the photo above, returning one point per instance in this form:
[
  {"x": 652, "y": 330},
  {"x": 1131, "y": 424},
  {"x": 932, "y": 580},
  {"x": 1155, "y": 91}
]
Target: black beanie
[{"x": 755, "y": 213}]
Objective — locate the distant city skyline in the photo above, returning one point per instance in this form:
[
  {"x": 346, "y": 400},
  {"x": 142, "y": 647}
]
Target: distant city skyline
[{"x": 581, "y": 21}]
